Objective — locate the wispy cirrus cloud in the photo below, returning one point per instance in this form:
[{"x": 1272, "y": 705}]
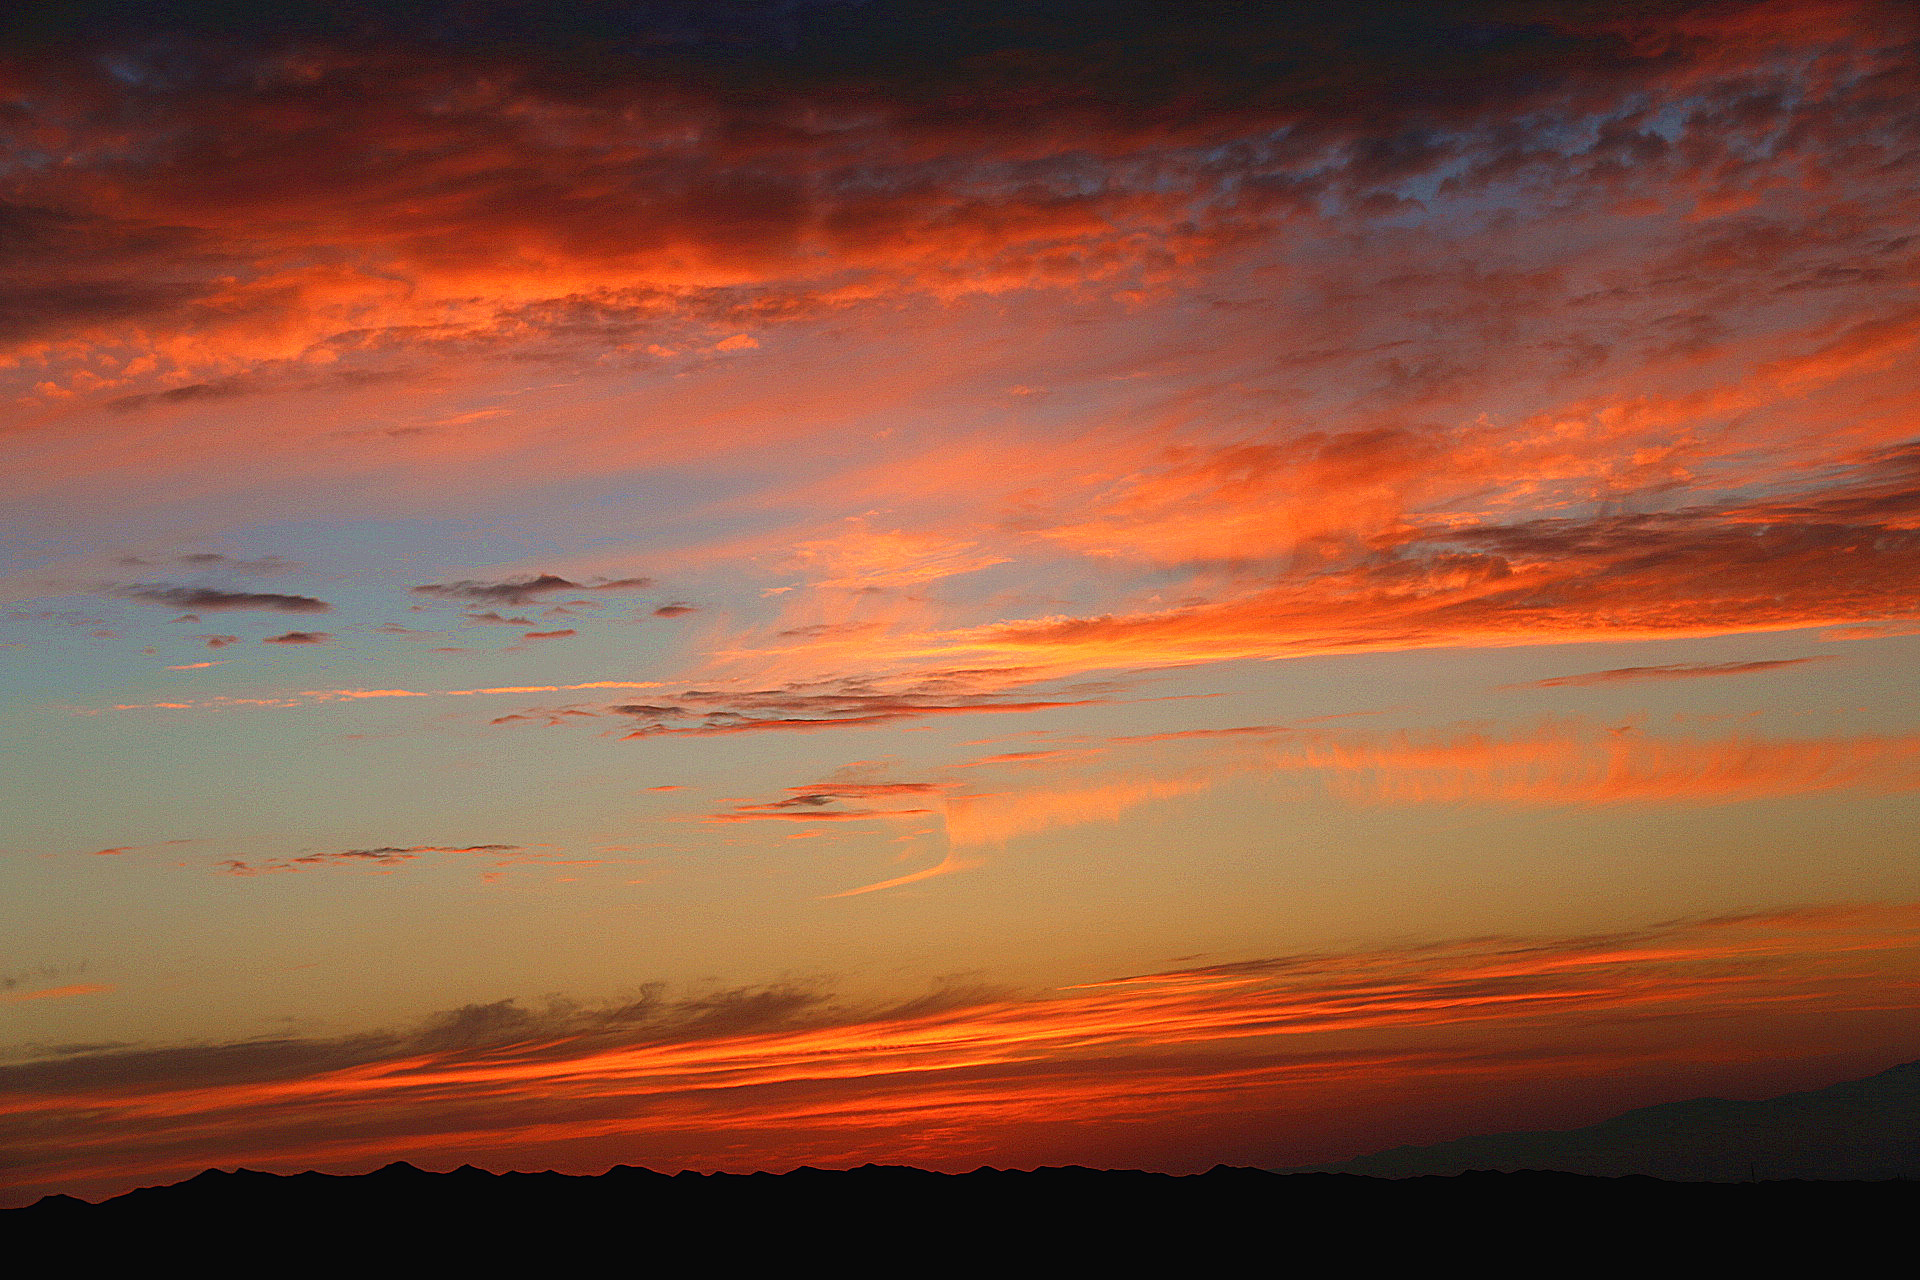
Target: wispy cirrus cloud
[
  {"x": 1560, "y": 762},
  {"x": 845, "y": 704},
  {"x": 1670, "y": 671},
  {"x": 382, "y": 859}
]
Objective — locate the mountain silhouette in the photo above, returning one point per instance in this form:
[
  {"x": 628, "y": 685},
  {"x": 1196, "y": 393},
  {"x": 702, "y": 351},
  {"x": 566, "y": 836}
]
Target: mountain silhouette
[
  {"x": 1738, "y": 1198},
  {"x": 877, "y": 1220},
  {"x": 1857, "y": 1130}
]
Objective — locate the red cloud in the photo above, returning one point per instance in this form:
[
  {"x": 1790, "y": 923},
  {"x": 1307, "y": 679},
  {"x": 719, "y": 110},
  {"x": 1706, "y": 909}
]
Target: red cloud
[{"x": 1296, "y": 1044}]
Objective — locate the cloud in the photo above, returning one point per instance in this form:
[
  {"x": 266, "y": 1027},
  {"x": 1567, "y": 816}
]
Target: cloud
[
  {"x": 1670, "y": 671},
  {"x": 307, "y": 696},
  {"x": 8, "y": 981},
  {"x": 945, "y": 867},
  {"x": 797, "y": 712},
  {"x": 521, "y": 591},
  {"x": 1577, "y": 763},
  {"x": 764, "y": 813},
  {"x": 214, "y": 560},
  {"x": 117, "y": 850},
  {"x": 1285, "y": 1042},
  {"x": 550, "y": 635},
  {"x": 673, "y": 611},
  {"x": 510, "y": 591},
  {"x": 994, "y": 818},
  {"x": 1565, "y": 761},
  {"x": 219, "y": 642},
  {"x": 1458, "y": 399},
  {"x": 815, "y": 801},
  {"x": 266, "y": 206},
  {"x": 56, "y": 993},
  {"x": 299, "y": 637},
  {"x": 208, "y": 599},
  {"x": 382, "y": 859}
]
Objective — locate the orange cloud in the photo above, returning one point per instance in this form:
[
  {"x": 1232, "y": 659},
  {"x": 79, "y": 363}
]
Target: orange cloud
[
  {"x": 796, "y": 1076},
  {"x": 55, "y": 993},
  {"x": 1578, "y": 763},
  {"x": 762, "y": 813},
  {"x": 993, "y": 818},
  {"x": 1557, "y": 762}
]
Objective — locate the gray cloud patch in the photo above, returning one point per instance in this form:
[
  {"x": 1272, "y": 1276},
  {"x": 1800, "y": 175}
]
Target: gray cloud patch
[
  {"x": 521, "y": 591},
  {"x": 211, "y": 599},
  {"x": 511, "y": 591}
]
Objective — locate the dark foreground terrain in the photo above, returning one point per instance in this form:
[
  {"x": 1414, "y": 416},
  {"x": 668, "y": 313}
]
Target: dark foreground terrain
[
  {"x": 1858, "y": 1130},
  {"x": 877, "y": 1219}
]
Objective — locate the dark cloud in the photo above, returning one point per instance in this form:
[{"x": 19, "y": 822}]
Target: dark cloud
[
  {"x": 521, "y": 591},
  {"x": 194, "y": 393},
  {"x": 494, "y": 618},
  {"x": 561, "y": 634},
  {"x": 512, "y": 591},
  {"x": 815, "y": 802},
  {"x": 765, "y": 813},
  {"x": 1045, "y": 141},
  {"x": 40, "y": 973},
  {"x": 851, "y": 704},
  {"x": 549, "y": 718},
  {"x": 821, "y": 630},
  {"x": 31, "y": 312},
  {"x": 219, "y": 642},
  {"x": 381, "y": 858},
  {"x": 213, "y": 560},
  {"x": 299, "y": 637},
  {"x": 674, "y": 611},
  {"x": 210, "y": 599}
]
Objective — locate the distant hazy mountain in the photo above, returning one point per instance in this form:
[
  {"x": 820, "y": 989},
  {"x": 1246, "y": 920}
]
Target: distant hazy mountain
[{"x": 1862, "y": 1129}]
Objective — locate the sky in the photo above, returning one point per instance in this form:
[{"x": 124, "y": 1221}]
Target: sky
[{"x": 735, "y": 585}]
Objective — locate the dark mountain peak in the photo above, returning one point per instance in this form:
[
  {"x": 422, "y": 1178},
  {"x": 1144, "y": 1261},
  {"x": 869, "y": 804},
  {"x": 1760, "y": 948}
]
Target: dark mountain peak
[
  {"x": 1865, "y": 1129},
  {"x": 1057, "y": 1217}
]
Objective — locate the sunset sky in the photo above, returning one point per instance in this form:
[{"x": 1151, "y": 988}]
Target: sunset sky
[{"x": 735, "y": 584}]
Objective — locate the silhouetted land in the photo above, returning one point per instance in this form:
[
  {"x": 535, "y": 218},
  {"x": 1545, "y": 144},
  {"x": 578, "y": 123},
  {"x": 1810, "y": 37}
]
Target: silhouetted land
[
  {"x": 1860, "y": 1129},
  {"x": 1781, "y": 1201},
  {"x": 898, "y": 1220}
]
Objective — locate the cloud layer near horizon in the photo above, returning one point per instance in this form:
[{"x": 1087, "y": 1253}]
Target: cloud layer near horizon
[{"x": 803, "y": 1077}]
